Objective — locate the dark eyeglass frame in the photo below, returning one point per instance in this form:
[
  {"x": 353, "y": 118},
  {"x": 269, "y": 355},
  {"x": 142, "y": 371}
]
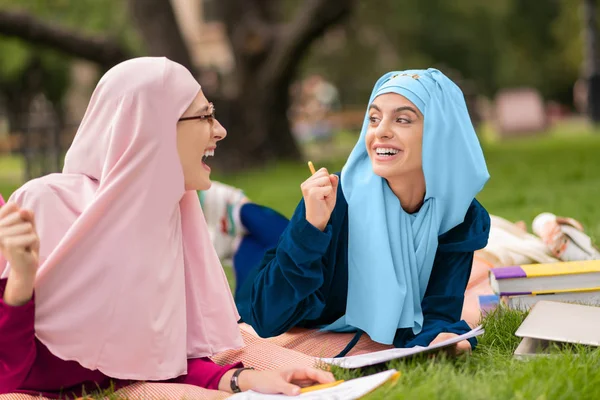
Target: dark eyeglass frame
[{"x": 209, "y": 117}]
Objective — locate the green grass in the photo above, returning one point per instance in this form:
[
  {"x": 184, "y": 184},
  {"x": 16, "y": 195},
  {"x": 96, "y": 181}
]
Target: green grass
[
  {"x": 10, "y": 174},
  {"x": 559, "y": 174},
  {"x": 492, "y": 373}
]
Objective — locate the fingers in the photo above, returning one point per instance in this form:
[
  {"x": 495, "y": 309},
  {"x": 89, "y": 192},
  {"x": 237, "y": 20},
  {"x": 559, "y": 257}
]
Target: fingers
[
  {"x": 314, "y": 374},
  {"x": 335, "y": 180},
  {"x": 315, "y": 182},
  {"x": 10, "y": 219},
  {"x": 305, "y": 376},
  {"x": 24, "y": 241},
  {"x": 320, "y": 173},
  {"x": 442, "y": 337},
  {"x": 7, "y": 209},
  {"x": 463, "y": 347},
  {"x": 15, "y": 230},
  {"x": 27, "y": 215},
  {"x": 320, "y": 192},
  {"x": 321, "y": 181},
  {"x": 286, "y": 387}
]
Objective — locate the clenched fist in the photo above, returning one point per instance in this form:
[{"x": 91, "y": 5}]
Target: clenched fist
[{"x": 320, "y": 193}]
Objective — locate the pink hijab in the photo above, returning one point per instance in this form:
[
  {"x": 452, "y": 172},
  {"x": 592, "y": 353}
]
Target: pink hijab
[{"x": 129, "y": 282}]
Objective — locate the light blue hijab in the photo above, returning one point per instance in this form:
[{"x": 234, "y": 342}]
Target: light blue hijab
[{"x": 391, "y": 252}]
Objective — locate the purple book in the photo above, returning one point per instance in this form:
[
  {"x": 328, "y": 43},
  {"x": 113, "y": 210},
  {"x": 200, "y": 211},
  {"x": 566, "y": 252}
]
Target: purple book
[
  {"x": 508, "y": 272},
  {"x": 545, "y": 278}
]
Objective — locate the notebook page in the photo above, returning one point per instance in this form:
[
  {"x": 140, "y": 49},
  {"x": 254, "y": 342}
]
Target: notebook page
[
  {"x": 378, "y": 357},
  {"x": 349, "y": 390}
]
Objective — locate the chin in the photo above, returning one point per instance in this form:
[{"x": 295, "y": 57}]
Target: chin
[
  {"x": 380, "y": 171},
  {"x": 204, "y": 185},
  {"x": 201, "y": 184}
]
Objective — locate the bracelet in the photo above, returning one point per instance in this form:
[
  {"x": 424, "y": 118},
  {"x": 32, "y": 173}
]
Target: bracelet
[{"x": 235, "y": 388}]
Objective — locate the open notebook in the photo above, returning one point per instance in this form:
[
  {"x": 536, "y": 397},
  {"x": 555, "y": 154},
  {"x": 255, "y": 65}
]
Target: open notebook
[
  {"x": 349, "y": 390},
  {"x": 378, "y": 357}
]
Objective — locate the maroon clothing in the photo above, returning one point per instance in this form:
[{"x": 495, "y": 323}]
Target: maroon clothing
[{"x": 26, "y": 365}]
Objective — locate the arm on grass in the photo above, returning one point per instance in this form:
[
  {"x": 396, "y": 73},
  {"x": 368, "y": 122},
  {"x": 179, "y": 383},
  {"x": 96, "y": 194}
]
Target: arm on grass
[
  {"x": 284, "y": 289},
  {"x": 443, "y": 301}
]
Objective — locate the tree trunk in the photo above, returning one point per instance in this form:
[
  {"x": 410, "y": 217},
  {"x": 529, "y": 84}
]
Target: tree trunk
[
  {"x": 592, "y": 61},
  {"x": 267, "y": 55},
  {"x": 29, "y": 28},
  {"x": 267, "y": 58},
  {"x": 155, "y": 19}
]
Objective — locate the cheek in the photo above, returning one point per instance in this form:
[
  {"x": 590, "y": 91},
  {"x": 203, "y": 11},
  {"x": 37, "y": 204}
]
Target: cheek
[
  {"x": 369, "y": 137},
  {"x": 416, "y": 145},
  {"x": 190, "y": 150}
]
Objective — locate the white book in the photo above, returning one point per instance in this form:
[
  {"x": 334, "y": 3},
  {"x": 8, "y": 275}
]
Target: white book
[
  {"x": 378, "y": 357},
  {"x": 525, "y": 302},
  {"x": 348, "y": 390}
]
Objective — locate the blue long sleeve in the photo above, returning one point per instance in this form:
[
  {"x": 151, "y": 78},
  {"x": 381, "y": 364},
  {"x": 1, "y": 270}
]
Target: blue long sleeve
[{"x": 286, "y": 288}]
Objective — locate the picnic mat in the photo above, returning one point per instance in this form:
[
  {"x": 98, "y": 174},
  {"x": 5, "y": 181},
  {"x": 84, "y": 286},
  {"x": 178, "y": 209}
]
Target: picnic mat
[{"x": 296, "y": 348}]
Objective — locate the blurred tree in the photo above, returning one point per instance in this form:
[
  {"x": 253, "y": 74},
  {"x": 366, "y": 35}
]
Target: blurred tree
[
  {"x": 268, "y": 39},
  {"x": 592, "y": 60},
  {"x": 34, "y": 66},
  {"x": 496, "y": 44}
]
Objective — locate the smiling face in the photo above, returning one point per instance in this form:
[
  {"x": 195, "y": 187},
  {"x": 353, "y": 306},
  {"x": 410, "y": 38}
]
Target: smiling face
[
  {"x": 196, "y": 139},
  {"x": 394, "y": 137}
]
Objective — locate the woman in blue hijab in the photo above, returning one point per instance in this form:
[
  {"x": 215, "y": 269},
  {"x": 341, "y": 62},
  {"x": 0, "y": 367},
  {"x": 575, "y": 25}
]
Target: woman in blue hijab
[{"x": 385, "y": 247}]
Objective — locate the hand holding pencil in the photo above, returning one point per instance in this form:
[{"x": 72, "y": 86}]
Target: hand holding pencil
[{"x": 320, "y": 193}]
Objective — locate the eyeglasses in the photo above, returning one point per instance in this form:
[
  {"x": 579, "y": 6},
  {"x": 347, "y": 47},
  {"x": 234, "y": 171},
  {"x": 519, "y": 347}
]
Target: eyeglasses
[{"x": 210, "y": 116}]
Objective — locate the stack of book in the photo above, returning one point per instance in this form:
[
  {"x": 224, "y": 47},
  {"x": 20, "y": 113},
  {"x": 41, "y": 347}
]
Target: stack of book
[{"x": 520, "y": 287}]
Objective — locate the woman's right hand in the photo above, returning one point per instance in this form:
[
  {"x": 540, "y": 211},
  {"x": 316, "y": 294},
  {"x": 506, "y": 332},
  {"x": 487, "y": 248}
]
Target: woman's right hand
[
  {"x": 287, "y": 381},
  {"x": 320, "y": 193},
  {"x": 19, "y": 244}
]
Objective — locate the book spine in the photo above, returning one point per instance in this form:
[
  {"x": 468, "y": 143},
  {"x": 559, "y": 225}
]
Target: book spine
[{"x": 508, "y": 272}]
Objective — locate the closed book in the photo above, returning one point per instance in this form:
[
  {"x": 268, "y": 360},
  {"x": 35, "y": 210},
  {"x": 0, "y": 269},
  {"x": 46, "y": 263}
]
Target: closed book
[
  {"x": 560, "y": 276},
  {"x": 525, "y": 302}
]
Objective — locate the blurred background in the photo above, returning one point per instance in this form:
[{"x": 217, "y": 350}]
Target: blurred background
[{"x": 290, "y": 80}]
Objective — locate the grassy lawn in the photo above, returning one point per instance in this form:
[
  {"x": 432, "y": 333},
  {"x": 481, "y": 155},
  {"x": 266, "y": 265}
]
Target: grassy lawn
[
  {"x": 10, "y": 175},
  {"x": 559, "y": 174}
]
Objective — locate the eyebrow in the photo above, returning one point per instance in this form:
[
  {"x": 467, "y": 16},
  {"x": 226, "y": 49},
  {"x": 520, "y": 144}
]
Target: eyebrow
[
  {"x": 202, "y": 109},
  {"x": 403, "y": 108}
]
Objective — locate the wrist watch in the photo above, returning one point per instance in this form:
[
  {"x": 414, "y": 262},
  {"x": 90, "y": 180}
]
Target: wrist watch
[{"x": 235, "y": 388}]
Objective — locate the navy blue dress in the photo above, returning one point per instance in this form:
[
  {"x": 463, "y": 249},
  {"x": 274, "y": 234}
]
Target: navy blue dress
[{"x": 303, "y": 282}]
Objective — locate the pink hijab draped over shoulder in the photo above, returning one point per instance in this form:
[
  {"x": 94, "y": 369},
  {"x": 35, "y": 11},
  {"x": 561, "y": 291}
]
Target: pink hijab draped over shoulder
[{"x": 129, "y": 282}]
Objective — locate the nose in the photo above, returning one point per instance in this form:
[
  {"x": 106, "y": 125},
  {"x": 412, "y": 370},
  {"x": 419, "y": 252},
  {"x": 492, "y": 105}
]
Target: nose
[
  {"x": 383, "y": 130},
  {"x": 219, "y": 132}
]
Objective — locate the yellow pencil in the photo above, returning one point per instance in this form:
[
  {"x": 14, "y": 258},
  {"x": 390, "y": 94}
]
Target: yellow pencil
[
  {"x": 311, "y": 167},
  {"x": 319, "y": 387}
]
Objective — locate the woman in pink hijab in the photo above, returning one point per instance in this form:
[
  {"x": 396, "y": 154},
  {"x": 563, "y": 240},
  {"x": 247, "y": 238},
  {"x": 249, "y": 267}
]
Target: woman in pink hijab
[{"x": 127, "y": 284}]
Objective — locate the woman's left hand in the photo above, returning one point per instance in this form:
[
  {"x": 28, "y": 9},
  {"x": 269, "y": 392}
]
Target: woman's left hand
[
  {"x": 286, "y": 381},
  {"x": 460, "y": 347}
]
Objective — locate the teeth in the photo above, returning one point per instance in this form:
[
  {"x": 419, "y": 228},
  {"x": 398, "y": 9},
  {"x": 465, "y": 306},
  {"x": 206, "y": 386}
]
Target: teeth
[
  {"x": 386, "y": 151},
  {"x": 209, "y": 153}
]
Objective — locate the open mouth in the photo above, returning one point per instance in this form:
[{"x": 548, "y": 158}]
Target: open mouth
[
  {"x": 386, "y": 151},
  {"x": 207, "y": 153}
]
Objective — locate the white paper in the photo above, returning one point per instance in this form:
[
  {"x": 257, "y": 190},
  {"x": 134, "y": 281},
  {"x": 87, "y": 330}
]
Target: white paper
[
  {"x": 378, "y": 357},
  {"x": 349, "y": 390}
]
